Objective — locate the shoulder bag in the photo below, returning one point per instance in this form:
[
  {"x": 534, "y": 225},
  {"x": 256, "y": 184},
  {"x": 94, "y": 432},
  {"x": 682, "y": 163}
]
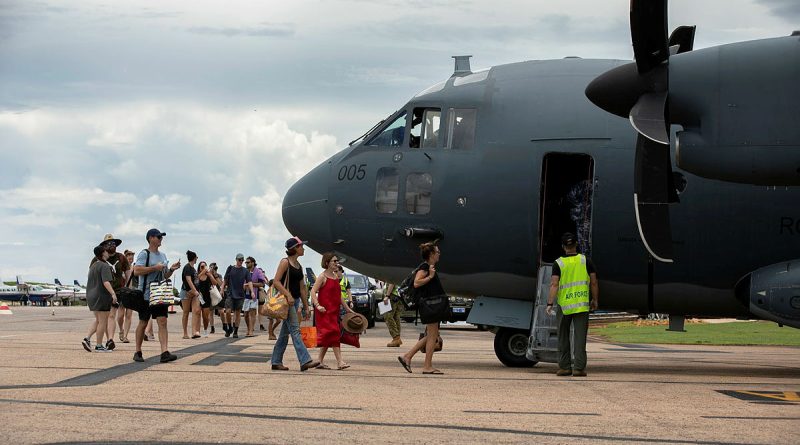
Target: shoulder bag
[
  {"x": 216, "y": 297},
  {"x": 277, "y": 306},
  {"x": 161, "y": 291}
]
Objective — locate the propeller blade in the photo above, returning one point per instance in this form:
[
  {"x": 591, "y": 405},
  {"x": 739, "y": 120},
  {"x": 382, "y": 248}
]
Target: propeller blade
[
  {"x": 647, "y": 117},
  {"x": 683, "y": 38},
  {"x": 653, "y": 191},
  {"x": 649, "y": 33}
]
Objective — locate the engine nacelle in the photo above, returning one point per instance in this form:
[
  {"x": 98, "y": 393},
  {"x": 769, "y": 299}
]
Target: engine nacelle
[
  {"x": 747, "y": 164},
  {"x": 773, "y": 292}
]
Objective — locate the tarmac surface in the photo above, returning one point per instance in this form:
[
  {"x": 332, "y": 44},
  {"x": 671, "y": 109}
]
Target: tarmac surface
[{"x": 221, "y": 390}]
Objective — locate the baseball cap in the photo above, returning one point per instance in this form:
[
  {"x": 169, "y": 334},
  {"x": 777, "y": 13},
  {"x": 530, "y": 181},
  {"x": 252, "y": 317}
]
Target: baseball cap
[
  {"x": 294, "y": 242},
  {"x": 154, "y": 232},
  {"x": 239, "y": 256},
  {"x": 568, "y": 239}
]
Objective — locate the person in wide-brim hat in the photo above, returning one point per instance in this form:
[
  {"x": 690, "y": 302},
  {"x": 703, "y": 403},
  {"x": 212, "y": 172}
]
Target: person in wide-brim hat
[
  {"x": 354, "y": 323},
  {"x": 110, "y": 237}
]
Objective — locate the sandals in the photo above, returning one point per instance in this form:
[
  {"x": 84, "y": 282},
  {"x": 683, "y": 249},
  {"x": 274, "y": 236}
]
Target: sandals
[
  {"x": 343, "y": 366},
  {"x": 403, "y": 362},
  {"x": 434, "y": 372},
  {"x": 323, "y": 367}
]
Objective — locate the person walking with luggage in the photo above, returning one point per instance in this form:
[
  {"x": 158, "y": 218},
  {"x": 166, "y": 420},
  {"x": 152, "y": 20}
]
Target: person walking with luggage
[
  {"x": 392, "y": 318},
  {"x": 574, "y": 277},
  {"x": 256, "y": 281},
  {"x": 428, "y": 286},
  {"x": 150, "y": 266},
  {"x": 100, "y": 296},
  {"x": 326, "y": 296},
  {"x": 125, "y": 315},
  {"x": 289, "y": 281},
  {"x": 205, "y": 279},
  {"x": 190, "y": 296},
  {"x": 235, "y": 278}
]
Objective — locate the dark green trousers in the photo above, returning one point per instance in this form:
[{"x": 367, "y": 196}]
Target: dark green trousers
[{"x": 580, "y": 324}]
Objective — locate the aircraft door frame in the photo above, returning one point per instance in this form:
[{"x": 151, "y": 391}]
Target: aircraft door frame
[{"x": 566, "y": 203}]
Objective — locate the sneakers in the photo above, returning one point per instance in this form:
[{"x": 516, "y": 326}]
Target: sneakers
[
  {"x": 166, "y": 356},
  {"x": 110, "y": 345},
  {"x": 564, "y": 372},
  {"x": 101, "y": 348},
  {"x": 137, "y": 356},
  {"x": 205, "y": 333},
  {"x": 87, "y": 345},
  {"x": 579, "y": 373}
]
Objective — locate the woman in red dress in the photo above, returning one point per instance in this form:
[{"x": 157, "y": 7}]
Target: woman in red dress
[{"x": 327, "y": 298}]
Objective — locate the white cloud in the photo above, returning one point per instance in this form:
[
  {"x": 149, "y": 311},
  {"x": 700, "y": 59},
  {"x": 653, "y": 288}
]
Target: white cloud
[
  {"x": 196, "y": 226},
  {"x": 46, "y": 196},
  {"x": 166, "y": 204},
  {"x": 136, "y": 227}
]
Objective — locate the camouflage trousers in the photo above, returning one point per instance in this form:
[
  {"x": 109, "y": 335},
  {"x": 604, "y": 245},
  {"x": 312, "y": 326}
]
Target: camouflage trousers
[{"x": 392, "y": 319}]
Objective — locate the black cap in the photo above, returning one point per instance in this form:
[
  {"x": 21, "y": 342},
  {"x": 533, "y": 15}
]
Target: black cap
[{"x": 568, "y": 239}]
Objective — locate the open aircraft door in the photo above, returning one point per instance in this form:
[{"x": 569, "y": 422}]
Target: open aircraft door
[{"x": 565, "y": 205}]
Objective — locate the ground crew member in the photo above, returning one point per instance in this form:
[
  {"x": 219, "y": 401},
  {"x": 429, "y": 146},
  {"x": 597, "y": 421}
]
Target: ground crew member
[
  {"x": 344, "y": 284},
  {"x": 573, "y": 277},
  {"x": 392, "y": 318}
]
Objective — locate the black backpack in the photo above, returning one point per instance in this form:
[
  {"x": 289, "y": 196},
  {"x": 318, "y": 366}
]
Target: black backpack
[{"x": 409, "y": 294}]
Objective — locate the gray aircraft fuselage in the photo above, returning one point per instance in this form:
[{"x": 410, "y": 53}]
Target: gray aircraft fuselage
[{"x": 485, "y": 202}]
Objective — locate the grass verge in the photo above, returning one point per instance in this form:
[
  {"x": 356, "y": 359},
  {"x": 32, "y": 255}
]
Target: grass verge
[{"x": 748, "y": 333}]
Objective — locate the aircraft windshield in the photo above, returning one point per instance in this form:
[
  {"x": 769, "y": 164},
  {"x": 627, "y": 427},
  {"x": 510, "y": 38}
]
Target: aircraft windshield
[{"x": 391, "y": 135}]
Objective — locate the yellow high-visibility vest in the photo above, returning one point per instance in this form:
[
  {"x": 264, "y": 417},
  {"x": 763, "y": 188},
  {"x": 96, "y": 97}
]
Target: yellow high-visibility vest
[
  {"x": 343, "y": 285},
  {"x": 573, "y": 285}
]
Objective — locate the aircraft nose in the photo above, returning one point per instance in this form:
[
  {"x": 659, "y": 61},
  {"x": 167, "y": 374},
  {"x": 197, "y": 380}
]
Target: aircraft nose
[{"x": 305, "y": 207}]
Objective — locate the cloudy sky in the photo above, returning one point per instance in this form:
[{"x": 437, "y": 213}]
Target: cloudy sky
[{"x": 196, "y": 116}]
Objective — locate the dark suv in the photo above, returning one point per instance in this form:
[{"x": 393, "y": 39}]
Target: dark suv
[{"x": 363, "y": 299}]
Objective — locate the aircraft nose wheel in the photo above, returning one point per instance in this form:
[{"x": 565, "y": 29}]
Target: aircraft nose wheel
[{"x": 510, "y": 346}]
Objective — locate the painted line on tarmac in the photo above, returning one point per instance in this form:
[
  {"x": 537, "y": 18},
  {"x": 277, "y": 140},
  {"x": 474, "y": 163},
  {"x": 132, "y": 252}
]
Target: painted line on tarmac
[
  {"x": 349, "y": 422},
  {"x": 536, "y": 413},
  {"x": 749, "y": 418},
  {"x": 773, "y": 397}
]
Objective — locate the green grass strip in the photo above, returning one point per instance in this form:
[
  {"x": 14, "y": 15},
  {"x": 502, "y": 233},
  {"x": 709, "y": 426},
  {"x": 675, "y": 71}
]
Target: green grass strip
[{"x": 738, "y": 333}]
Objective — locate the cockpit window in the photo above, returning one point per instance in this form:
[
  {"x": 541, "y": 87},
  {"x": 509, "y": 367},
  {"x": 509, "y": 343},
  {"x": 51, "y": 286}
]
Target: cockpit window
[
  {"x": 386, "y": 190},
  {"x": 418, "y": 193},
  {"x": 425, "y": 128},
  {"x": 392, "y": 135},
  {"x": 461, "y": 128}
]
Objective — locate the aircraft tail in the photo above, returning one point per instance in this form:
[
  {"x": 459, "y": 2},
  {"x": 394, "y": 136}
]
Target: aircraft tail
[
  {"x": 58, "y": 282},
  {"x": 76, "y": 283}
]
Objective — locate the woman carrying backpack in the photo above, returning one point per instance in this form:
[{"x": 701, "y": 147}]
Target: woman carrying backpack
[{"x": 427, "y": 284}]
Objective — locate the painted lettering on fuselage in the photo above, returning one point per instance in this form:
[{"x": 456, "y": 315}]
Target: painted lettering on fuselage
[
  {"x": 352, "y": 172},
  {"x": 790, "y": 226}
]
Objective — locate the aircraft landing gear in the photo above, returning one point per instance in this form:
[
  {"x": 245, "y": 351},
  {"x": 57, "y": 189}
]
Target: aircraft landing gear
[{"x": 510, "y": 346}]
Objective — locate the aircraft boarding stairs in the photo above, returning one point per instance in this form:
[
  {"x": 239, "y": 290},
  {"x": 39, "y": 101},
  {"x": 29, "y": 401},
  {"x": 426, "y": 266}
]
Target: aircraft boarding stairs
[{"x": 543, "y": 341}]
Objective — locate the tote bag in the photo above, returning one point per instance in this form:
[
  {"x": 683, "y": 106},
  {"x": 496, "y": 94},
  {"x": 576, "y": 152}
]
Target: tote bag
[
  {"x": 161, "y": 293},
  {"x": 216, "y": 297}
]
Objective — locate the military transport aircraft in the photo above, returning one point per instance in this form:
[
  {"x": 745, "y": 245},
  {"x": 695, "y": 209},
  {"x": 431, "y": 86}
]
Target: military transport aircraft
[{"x": 498, "y": 163}]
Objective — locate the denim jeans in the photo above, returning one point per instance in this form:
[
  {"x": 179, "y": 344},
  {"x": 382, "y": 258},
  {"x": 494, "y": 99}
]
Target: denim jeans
[{"x": 290, "y": 326}]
